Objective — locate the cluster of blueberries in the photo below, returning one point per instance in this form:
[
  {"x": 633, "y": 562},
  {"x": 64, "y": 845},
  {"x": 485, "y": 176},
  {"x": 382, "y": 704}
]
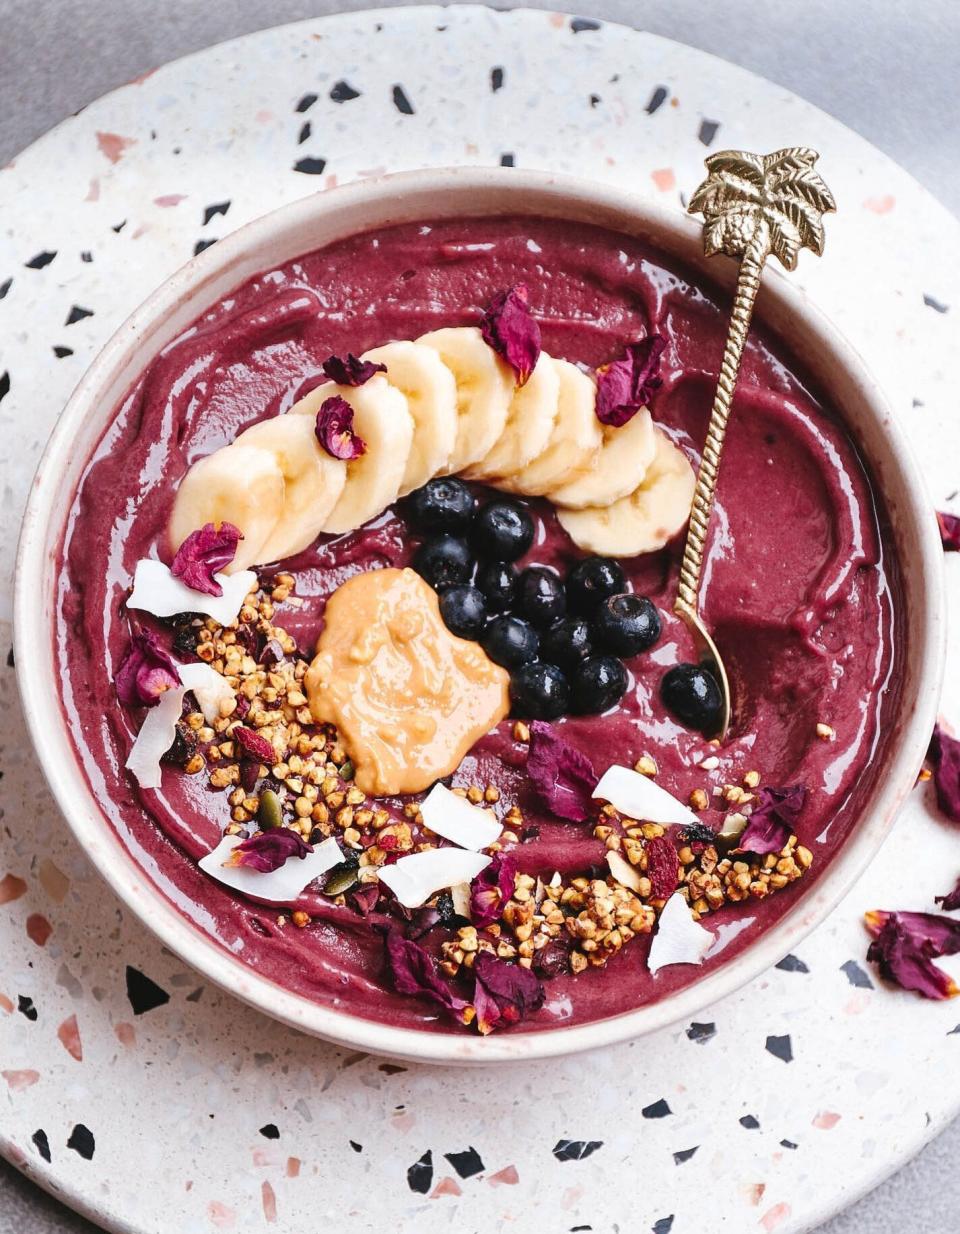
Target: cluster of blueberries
[{"x": 563, "y": 640}]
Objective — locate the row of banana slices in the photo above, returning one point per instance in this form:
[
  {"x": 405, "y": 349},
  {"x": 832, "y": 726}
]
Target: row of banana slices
[{"x": 446, "y": 404}]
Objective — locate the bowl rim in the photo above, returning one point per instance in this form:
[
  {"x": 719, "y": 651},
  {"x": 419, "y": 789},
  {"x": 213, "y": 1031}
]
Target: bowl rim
[{"x": 78, "y": 803}]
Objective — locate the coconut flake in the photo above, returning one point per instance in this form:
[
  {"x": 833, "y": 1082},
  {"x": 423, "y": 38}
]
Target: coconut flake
[
  {"x": 458, "y": 820},
  {"x": 157, "y": 591},
  {"x": 414, "y": 879},
  {"x": 460, "y": 895},
  {"x": 209, "y": 688},
  {"x": 639, "y": 797},
  {"x": 155, "y": 738},
  {"x": 281, "y": 886},
  {"x": 679, "y": 939},
  {"x": 623, "y": 871}
]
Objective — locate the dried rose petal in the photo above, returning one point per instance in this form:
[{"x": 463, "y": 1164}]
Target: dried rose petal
[
  {"x": 414, "y": 972},
  {"x": 562, "y": 777},
  {"x": 513, "y": 334},
  {"x": 552, "y": 960},
  {"x": 773, "y": 821},
  {"x": 272, "y": 653},
  {"x": 203, "y": 554},
  {"x": 268, "y": 850},
  {"x": 944, "y": 754},
  {"x": 335, "y": 429},
  {"x": 951, "y": 900},
  {"x": 906, "y": 944},
  {"x": 504, "y": 993},
  {"x": 350, "y": 370},
  {"x": 249, "y": 773},
  {"x": 254, "y": 744},
  {"x": 627, "y": 384},
  {"x": 663, "y": 867},
  {"x": 491, "y": 889},
  {"x": 145, "y": 672},
  {"x": 364, "y": 898},
  {"x": 949, "y": 531}
]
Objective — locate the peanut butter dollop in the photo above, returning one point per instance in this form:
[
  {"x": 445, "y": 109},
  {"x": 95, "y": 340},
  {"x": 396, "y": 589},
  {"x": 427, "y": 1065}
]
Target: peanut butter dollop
[{"x": 408, "y": 698}]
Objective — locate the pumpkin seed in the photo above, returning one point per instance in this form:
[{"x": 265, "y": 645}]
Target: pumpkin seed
[
  {"x": 341, "y": 878},
  {"x": 269, "y": 814},
  {"x": 346, "y": 771}
]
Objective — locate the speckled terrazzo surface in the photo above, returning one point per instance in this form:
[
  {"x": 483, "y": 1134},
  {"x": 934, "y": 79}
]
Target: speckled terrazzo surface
[{"x": 185, "y": 1110}]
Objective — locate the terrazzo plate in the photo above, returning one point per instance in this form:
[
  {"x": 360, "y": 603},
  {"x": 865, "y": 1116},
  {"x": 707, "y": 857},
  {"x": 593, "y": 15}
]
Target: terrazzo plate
[{"x": 152, "y": 1102}]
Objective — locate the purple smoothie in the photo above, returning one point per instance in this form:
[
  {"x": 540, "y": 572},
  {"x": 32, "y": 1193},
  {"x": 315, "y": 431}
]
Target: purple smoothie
[{"x": 800, "y": 586}]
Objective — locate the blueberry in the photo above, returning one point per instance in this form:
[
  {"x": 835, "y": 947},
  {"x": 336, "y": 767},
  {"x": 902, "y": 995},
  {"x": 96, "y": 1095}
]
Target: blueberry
[
  {"x": 443, "y": 504},
  {"x": 539, "y": 692},
  {"x": 691, "y": 692},
  {"x": 464, "y": 610},
  {"x": 591, "y": 581},
  {"x": 510, "y": 641},
  {"x": 498, "y": 581},
  {"x": 443, "y": 561},
  {"x": 542, "y": 598},
  {"x": 627, "y": 624},
  {"x": 598, "y": 684},
  {"x": 502, "y": 531},
  {"x": 567, "y": 641}
]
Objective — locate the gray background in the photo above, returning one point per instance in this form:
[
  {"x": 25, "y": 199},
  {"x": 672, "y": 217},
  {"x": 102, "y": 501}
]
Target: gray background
[{"x": 888, "y": 68}]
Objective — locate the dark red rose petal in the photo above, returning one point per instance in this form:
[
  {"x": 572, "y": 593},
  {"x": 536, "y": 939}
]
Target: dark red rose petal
[
  {"x": 268, "y": 850},
  {"x": 364, "y": 898},
  {"x": 254, "y": 745},
  {"x": 906, "y": 944},
  {"x": 627, "y": 384},
  {"x": 414, "y": 972},
  {"x": 504, "y": 993},
  {"x": 491, "y": 889},
  {"x": 773, "y": 821},
  {"x": 663, "y": 867},
  {"x": 944, "y": 754},
  {"x": 350, "y": 370},
  {"x": 562, "y": 777},
  {"x": 951, "y": 900},
  {"x": 949, "y": 531},
  {"x": 335, "y": 430},
  {"x": 204, "y": 553},
  {"x": 513, "y": 334},
  {"x": 145, "y": 672}
]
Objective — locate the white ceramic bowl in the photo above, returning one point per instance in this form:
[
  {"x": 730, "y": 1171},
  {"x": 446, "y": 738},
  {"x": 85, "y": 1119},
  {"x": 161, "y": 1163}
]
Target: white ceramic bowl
[{"x": 317, "y": 221}]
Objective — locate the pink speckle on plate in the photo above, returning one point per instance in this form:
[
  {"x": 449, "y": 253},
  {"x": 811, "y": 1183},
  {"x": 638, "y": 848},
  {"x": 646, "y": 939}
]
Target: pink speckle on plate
[{"x": 69, "y": 1034}]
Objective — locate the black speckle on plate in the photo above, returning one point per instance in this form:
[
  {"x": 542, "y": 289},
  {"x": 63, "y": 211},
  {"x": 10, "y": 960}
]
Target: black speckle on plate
[
  {"x": 86, "y": 256},
  {"x": 684, "y": 1155},
  {"x": 575, "y": 1150},
  {"x": 357, "y": 1148},
  {"x": 466, "y": 1163},
  {"x": 11, "y": 663},
  {"x": 708, "y": 130},
  {"x": 856, "y": 976},
  {"x": 343, "y": 92},
  {"x": 26, "y": 1008},
  {"x": 270, "y": 1131},
  {"x": 118, "y": 227},
  {"x": 663, "y": 1226},
  {"x": 580, "y": 24},
  {"x": 595, "y": 100},
  {"x": 5, "y": 287},
  {"x": 750, "y": 1122},
  {"x": 307, "y": 102},
  {"x": 310, "y": 166},
  {"x": 144, "y": 995},
  {"x": 77, "y": 313},
  {"x": 780, "y": 1047},
  {"x": 203, "y": 244},
  {"x": 401, "y": 102},
  {"x": 82, "y": 1141},
  {"x": 218, "y": 207},
  {"x": 507, "y": 160},
  {"x": 305, "y": 131},
  {"x": 937, "y": 305},
  {"x": 702, "y": 1033},
  {"x": 787, "y": 1144},
  {"x": 496, "y": 79},
  {"x": 41, "y": 260},
  {"x": 420, "y": 1174},
  {"x": 659, "y": 1109},
  {"x": 41, "y": 1143},
  {"x": 62, "y": 352},
  {"x": 792, "y": 964},
  {"x": 4, "y": 385}
]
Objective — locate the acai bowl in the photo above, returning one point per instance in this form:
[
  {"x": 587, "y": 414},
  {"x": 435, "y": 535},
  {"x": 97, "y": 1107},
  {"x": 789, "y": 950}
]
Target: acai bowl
[{"x": 473, "y": 818}]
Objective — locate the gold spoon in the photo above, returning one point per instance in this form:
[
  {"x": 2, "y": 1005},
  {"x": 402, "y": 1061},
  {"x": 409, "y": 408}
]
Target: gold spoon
[{"x": 752, "y": 205}]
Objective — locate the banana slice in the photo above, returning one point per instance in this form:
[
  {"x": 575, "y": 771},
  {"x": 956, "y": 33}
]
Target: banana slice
[
  {"x": 616, "y": 471},
  {"x": 431, "y": 393},
  {"x": 644, "y": 521},
  {"x": 382, "y": 419},
  {"x": 575, "y": 439},
  {"x": 485, "y": 386},
  {"x": 242, "y": 485},
  {"x": 313, "y": 482},
  {"x": 531, "y": 417}
]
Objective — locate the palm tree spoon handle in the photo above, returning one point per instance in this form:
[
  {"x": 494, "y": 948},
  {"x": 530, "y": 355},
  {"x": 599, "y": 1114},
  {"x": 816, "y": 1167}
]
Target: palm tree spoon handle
[{"x": 752, "y": 205}]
